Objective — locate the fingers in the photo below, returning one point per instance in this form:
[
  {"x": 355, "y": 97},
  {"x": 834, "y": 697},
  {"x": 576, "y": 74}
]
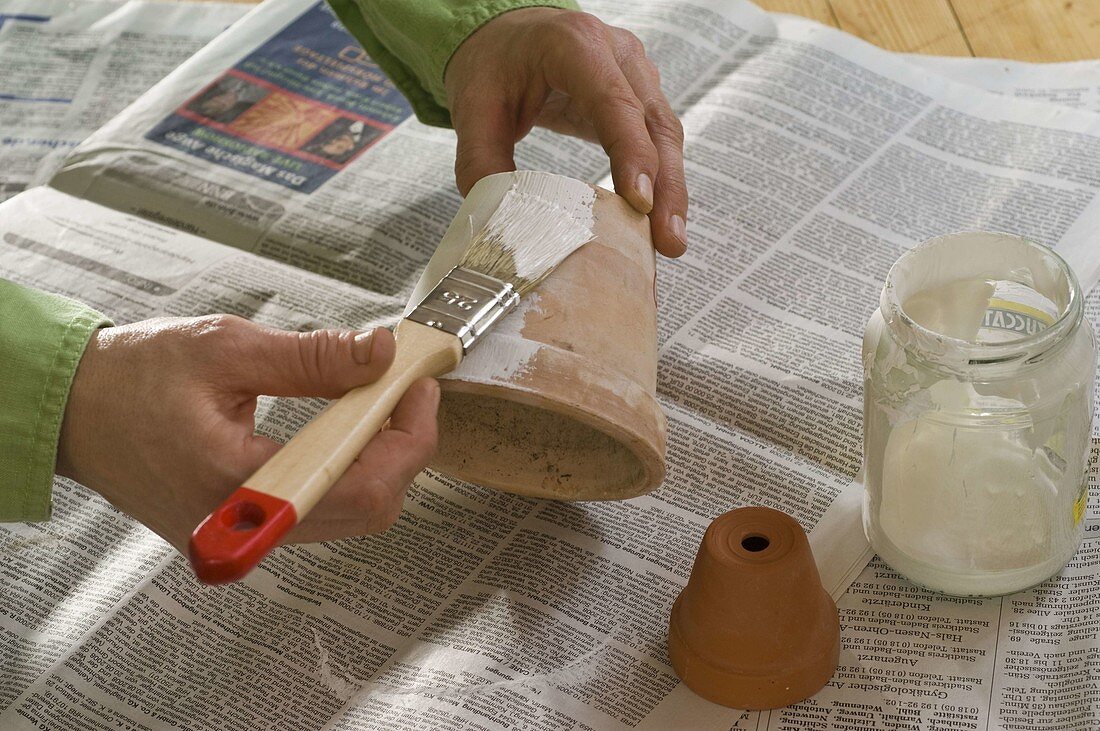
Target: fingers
[
  {"x": 486, "y": 140},
  {"x": 618, "y": 90},
  {"x": 568, "y": 71},
  {"x": 670, "y": 200},
  {"x": 368, "y": 497},
  {"x": 606, "y": 98},
  {"x": 326, "y": 363}
]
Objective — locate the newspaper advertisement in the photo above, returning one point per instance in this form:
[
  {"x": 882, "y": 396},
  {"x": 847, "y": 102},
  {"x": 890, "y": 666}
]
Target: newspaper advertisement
[
  {"x": 814, "y": 160},
  {"x": 68, "y": 68}
]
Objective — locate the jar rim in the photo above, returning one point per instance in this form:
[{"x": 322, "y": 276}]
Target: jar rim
[{"x": 965, "y": 355}]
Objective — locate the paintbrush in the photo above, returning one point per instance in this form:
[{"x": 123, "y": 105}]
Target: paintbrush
[{"x": 525, "y": 239}]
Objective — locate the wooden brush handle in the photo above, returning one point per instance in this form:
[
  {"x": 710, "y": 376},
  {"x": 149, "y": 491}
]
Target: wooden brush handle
[{"x": 236, "y": 536}]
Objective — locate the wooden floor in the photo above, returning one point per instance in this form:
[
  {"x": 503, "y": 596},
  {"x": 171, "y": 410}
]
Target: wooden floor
[{"x": 1028, "y": 30}]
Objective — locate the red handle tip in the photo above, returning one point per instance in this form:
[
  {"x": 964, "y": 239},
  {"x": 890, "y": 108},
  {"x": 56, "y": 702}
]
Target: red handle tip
[{"x": 236, "y": 536}]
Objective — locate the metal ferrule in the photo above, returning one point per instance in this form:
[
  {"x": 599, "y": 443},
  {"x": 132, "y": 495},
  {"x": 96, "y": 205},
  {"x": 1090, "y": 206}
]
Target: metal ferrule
[{"x": 466, "y": 303}]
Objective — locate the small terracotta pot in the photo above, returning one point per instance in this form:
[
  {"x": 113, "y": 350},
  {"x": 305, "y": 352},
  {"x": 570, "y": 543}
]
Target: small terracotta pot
[
  {"x": 559, "y": 399},
  {"x": 754, "y": 629}
]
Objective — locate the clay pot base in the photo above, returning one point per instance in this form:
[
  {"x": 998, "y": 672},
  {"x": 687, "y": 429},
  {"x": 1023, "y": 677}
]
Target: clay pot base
[
  {"x": 739, "y": 689},
  {"x": 754, "y": 629},
  {"x": 536, "y": 451}
]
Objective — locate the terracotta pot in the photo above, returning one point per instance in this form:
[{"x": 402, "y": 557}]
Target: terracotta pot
[
  {"x": 559, "y": 399},
  {"x": 754, "y": 629}
]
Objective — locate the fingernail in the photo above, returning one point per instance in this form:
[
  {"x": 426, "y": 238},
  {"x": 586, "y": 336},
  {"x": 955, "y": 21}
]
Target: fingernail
[
  {"x": 644, "y": 187},
  {"x": 361, "y": 347},
  {"x": 678, "y": 228},
  {"x": 435, "y": 394}
]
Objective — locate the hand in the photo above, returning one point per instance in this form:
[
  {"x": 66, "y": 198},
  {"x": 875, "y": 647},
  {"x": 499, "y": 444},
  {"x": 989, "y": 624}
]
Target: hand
[
  {"x": 160, "y": 420},
  {"x": 569, "y": 72}
]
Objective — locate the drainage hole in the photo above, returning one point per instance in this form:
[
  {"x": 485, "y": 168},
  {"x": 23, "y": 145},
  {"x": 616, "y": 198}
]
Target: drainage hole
[{"x": 755, "y": 543}]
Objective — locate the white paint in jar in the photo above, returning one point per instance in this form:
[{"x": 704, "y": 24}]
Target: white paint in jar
[{"x": 977, "y": 414}]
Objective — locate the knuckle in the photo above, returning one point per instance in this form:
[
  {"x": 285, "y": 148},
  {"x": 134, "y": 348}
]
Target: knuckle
[
  {"x": 673, "y": 188},
  {"x": 584, "y": 25},
  {"x": 476, "y": 162},
  {"x": 624, "y": 103},
  {"x": 220, "y": 325},
  {"x": 476, "y": 101},
  {"x": 224, "y": 464},
  {"x": 368, "y": 497},
  {"x": 664, "y": 122},
  {"x": 201, "y": 350},
  {"x": 378, "y": 503},
  {"x": 318, "y": 349},
  {"x": 473, "y": 152},
  {"x": 676, "y": 201},
  {"x": 630, "y": 45},
  {"x": 650, "y": 69},
  {"x": 618, "y": 151},
  {"x": 466, "y": 169},
  {"x": 631, "y": 149},
  {"x": 576, "y": 32},
  {"x": 417, "y": 448},
  {"x": 216, "y": 342}
]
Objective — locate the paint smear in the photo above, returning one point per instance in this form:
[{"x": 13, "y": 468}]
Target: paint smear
[{"x": 503, "y": 353}]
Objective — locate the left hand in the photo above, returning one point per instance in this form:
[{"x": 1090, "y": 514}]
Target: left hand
[
  {"x": 569, "y": 72},
  {"x": 161, "y": 421}
]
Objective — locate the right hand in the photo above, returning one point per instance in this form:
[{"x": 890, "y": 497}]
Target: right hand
[
  {"x": 160, "y": 421},
  {"x": 569, "y": 72}
]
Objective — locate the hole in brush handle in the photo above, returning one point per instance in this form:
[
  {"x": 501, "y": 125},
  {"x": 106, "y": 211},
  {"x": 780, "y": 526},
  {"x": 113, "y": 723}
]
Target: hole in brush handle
[
  {"x": 241, "y": 516},
  {"x": 236, "y": 536}
]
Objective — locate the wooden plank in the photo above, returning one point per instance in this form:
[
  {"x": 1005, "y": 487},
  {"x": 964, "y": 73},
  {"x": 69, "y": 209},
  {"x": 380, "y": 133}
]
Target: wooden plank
[
  {"x": 1032, "y": 30},
  {"x": 818, "y": 10},
  {"x": 911, "y": 26}
]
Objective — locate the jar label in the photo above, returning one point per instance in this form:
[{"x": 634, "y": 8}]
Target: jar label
[
  {"x": 1080, "y": 505},
  {"x": 1015, "y": 311}
]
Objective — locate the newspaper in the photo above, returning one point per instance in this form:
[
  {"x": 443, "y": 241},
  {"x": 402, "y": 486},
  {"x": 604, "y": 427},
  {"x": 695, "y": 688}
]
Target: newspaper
[
  {"x": 68, "y": 68},
  {"x": 1072, "y": 84},
  {"x": 814, "y": 160}
]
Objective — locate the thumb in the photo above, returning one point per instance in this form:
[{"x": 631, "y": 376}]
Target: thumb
[
  {"x": 326, "y": 363},
  {"x": 486, "y": 139}
]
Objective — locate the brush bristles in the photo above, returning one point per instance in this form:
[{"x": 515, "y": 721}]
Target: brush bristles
[{"x": 525, "y": 239}]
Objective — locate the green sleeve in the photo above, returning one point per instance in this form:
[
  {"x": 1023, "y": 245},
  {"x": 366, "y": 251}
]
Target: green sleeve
[
  {"x": 412, "y": 40},
  {"x": 42, "y": 338}
]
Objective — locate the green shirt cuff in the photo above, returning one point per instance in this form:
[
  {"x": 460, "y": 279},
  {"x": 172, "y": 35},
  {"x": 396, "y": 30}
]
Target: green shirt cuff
[
  {"x": 42, "y": 338},
  {"x": 414, "y": 41}
]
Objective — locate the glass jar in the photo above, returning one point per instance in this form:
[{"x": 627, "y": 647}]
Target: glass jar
[{"x": 978, "y": 388}]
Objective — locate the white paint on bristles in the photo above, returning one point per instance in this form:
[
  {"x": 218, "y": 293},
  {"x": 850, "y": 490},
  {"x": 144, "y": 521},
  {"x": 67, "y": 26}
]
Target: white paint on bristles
[{"x": 540, "y": 221}]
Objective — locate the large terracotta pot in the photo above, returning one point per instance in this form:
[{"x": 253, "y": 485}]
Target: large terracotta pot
[{"x": 559, "y": 400}]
